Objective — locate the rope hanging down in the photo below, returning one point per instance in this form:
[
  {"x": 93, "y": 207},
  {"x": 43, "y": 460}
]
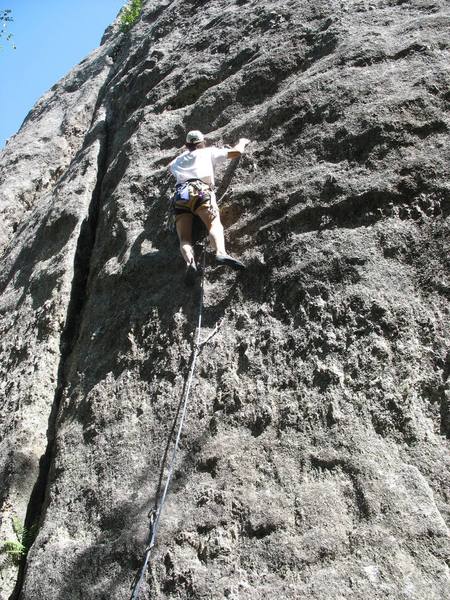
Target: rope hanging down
[{"x": 155, "y": 515}]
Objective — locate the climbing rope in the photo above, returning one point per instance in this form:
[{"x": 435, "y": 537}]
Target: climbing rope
[
  {"x": 155, "y": 515},
  {"x": 156, "y": 512}
]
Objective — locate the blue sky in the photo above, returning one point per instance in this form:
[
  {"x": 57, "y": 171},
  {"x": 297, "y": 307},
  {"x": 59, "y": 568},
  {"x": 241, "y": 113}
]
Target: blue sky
[{"x": 51, "y": 36}]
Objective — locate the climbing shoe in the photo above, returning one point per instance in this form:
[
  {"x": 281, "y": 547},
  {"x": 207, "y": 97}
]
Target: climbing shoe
[
  {"x": 191, "y": 275},
  {"x": 226, "y": 259}
]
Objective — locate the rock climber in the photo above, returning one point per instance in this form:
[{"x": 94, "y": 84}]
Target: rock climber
[{"x": 194, "y": 172}]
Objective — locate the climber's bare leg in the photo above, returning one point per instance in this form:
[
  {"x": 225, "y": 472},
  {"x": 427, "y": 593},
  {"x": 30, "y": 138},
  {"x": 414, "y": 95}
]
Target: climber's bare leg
[
  {"x": 184, "y": 231},
  {"x": 211, "y": 218}
]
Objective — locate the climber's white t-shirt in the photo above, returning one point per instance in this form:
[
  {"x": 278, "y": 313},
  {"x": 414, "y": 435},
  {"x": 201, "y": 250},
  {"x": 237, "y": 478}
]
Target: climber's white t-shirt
[{"x": 198, "y": 164}]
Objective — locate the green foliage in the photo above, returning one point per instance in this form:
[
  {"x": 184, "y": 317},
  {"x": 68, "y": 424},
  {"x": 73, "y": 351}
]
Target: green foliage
[
  {"x": 18, "y": 527},
  {"x": 5, "y": 19},
  {"x": 15, "y": 550},
  {"x": 130, "y": 14}
]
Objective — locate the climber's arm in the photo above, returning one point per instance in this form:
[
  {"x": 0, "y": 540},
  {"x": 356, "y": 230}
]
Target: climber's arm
[{"x": 237, "y": 150}]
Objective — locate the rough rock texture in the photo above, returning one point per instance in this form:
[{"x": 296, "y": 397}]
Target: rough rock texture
[{"x": 314, "y": 462}]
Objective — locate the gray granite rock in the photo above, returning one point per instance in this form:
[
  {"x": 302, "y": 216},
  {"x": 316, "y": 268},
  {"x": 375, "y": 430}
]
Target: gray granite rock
[{"x": 314, "y": 461}]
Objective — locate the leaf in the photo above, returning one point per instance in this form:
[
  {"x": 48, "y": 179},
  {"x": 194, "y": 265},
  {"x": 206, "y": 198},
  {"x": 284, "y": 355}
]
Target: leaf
[{"x": 18, "y": 527}]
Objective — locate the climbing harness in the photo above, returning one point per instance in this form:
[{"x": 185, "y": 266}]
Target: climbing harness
[
  {"x": 155, "y": 513},
  {"x": 190, "y": 195}
]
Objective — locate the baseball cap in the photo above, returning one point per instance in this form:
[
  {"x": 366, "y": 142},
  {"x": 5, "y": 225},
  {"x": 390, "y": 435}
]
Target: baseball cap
[{"x": 194, "y": 137}]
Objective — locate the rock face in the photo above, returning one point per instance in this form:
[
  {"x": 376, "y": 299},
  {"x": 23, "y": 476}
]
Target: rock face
[{"x": 314, "y": 461}]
